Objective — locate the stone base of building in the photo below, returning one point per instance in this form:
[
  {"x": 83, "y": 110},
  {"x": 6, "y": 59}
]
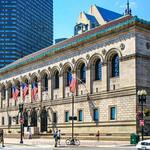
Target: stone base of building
[{"x": 116, "y": 131}]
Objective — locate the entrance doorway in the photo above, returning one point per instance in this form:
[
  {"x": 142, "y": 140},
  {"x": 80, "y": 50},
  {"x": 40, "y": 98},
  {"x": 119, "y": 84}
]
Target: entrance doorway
[
  {"x": 43, "y": 116},
  {"x": 33, "y": 118}
]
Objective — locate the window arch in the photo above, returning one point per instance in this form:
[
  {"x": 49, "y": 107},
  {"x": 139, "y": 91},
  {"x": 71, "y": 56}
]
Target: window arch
[
  {"x": 83, "y": 73},
  {"x": 115, "y": 66},
  {"x": 98, "y": 70},
  {"x": 69, "y": 74},
  {"x": 56, "y": 80},
  {"x": 45, "y": 82}
]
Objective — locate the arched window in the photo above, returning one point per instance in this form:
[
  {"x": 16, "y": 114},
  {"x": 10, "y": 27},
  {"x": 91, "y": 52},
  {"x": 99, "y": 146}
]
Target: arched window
[
  {"x": 83, "y": 73},
  {"x": 98, "y": 70},
  {"x": 45, "y": 82},
  {"x": 115, "y": 66},
  {"x": 69, "y": 74},
  {"x": 56, "y": 80}
]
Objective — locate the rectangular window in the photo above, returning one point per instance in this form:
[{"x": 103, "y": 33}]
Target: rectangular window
[
  {"x": 113, "y": 113},
  {"x": 95, "y": 115},
  {"x": 3, "y": 121},
  {"x": 54, "y": 117},
  {"x": 67, "y": 116},
  {"x": 80, "y": 115}
]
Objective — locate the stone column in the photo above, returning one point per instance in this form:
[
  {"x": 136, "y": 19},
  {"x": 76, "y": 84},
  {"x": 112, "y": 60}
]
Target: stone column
[
  {"x": 29, "y": 117},
  {"x": 50, "y": 97},
  {"x": 30, "y": 89},
  {"x": 88, "y": 79},
  {"x": 40, "y": 90},
  {"x": 61, "y": 86},
  {"x": 39, "y": 119},
  {"x": 21, "y": 92},
  {"x": 107, "y": 69},
  {"x": 105, "y": 77},
  {"x": 6, "y": 105},
  {"x": 6, "y": 98}
]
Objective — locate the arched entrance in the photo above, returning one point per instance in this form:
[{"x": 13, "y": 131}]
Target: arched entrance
[
  {"x": 33, "y": 118},
  {"x": 43, "y": 117}
]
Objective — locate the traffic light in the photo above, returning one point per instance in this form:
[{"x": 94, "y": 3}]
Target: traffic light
[{"x": 20, "y": 107}]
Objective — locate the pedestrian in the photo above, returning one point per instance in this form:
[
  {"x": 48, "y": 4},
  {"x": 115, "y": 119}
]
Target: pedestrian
[
  {"x": 56, "y": 137},
  {"x": 59, "y": 136},
  {"x": 97, "y": 135},
  {"x": 30, "y": 133}
]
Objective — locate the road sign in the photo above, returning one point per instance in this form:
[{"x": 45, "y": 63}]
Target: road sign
[
  {"x": 141, "y": 122},
  {"x": 73, "y": 118}
]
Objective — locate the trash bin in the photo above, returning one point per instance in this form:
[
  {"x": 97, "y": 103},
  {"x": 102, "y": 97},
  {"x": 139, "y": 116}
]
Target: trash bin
[{"x": 134, "y": 138}]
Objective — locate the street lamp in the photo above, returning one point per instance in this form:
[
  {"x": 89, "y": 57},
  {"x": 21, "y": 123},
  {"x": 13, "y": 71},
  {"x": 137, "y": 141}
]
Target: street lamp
[
  {"x": 142, "y": 99},
  {"x": 21, "y": 122}
]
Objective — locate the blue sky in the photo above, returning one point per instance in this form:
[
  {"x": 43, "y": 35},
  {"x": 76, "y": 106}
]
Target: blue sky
[{"x": 66, "y": 12}]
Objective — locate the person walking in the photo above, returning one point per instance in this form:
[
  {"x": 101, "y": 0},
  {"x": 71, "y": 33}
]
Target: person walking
[
  {"x": 59, "y": 136},
  {"x": 56, "y": 137},
  {"x": 30, "y": 133}
]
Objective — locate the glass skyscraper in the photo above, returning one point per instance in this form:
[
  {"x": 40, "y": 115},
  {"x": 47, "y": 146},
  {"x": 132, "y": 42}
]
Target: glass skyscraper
[{"x": 26, "y": 26}]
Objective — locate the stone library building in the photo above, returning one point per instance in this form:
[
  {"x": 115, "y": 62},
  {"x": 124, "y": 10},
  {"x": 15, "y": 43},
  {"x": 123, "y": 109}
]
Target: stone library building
[{"x": 109, "y": 55}]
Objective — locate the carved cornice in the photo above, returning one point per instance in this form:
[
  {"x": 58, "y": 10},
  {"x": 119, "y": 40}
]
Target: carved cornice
[{"x": 134, "y": 56}]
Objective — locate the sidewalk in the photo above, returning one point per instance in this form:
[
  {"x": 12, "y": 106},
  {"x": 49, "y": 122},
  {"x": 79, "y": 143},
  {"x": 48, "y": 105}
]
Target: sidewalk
[{"x": 50, "y": 142}]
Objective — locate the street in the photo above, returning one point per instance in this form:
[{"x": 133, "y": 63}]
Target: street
[{"x": 50, "y": 147}]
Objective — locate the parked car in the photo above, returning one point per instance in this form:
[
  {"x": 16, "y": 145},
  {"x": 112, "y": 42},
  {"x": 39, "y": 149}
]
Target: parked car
[{"x": 143, "y": 145}]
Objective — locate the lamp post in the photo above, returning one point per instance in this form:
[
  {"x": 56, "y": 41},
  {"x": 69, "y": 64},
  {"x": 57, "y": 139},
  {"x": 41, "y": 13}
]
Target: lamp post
[
  {"x": 142, "y": 99},
  {"x": 21, "y": 122}
]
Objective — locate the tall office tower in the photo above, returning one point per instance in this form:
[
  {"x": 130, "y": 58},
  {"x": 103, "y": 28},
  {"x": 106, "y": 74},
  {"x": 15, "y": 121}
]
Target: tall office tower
[{"x": 26, "y": 26}]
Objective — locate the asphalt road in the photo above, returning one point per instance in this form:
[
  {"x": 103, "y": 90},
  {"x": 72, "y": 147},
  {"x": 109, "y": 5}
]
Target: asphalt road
[{"x": 24, "y": 147}]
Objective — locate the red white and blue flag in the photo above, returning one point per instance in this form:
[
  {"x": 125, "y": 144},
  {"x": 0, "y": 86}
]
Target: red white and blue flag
[
  {"x": 72, "y": 82},
  {"x": 24, "y": 90},
  {"x": 15, "y": 93},
  {"x": 34, "y": 90}
]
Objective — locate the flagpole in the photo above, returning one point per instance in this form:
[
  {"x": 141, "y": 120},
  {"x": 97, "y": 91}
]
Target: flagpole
[{"x": 72, "y": 141}]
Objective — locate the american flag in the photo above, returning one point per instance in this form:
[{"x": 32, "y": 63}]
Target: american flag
[
  {"x": 34, "y": 90},
  {"x": 24, "y": 90},
  {"x": 15, "y": 93},
  {"x": 72, "y": 82}
]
